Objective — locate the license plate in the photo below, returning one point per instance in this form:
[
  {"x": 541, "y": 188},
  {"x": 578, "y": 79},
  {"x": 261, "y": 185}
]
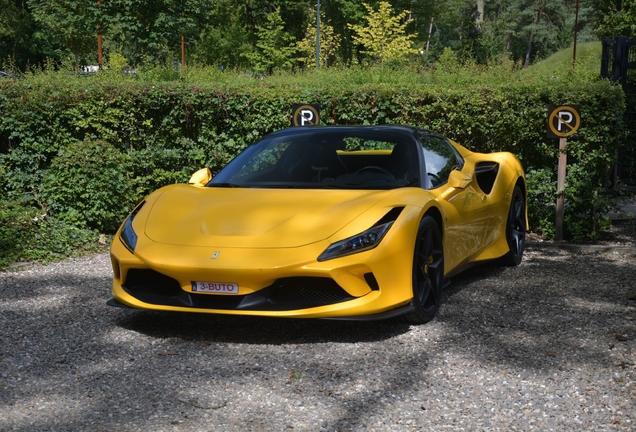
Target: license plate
[{"x": 215, "y": 287}]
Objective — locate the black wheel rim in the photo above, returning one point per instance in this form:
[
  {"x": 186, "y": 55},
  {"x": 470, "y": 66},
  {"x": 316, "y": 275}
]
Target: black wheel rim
[
  {"x": 517, "y": 225},
  {"x": 429, "y": 271}
]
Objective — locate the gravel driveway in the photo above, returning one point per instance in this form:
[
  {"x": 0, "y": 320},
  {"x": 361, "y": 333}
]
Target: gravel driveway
[{"x": 549, "y": 345}]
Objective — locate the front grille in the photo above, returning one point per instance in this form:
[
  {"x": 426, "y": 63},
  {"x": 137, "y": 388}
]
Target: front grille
[{"x": 152, "y": 287}]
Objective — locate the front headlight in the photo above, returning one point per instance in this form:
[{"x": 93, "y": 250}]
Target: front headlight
[
  {"x": 358, "y": 243},
  {"x": 128, "y": 236}
]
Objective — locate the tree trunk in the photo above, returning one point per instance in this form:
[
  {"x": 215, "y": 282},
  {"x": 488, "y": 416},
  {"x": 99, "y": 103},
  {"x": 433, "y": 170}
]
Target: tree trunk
[
  {"x": 480, "y": 14},
  {"x": 534, "y": 23}
]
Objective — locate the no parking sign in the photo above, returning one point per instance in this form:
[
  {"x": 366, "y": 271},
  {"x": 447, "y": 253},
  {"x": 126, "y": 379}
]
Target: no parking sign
[{"x": 563, "y": 120}]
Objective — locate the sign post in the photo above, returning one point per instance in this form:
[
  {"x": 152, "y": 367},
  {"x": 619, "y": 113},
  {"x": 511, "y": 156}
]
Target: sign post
[
  {"x": 563, "y": 161},
  {"x": 563, "y": 121}
]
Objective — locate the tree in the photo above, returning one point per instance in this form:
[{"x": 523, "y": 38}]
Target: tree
[
  {"x": 615, "y": 18},
  {"x": 384, "y": 37},
  {"x": 73, "y": 23},
  {"x": 275, "y": 47},
  {"x": 454, "y": 27},
  {"x": 329, "y": 42},
  {"x": 544, "y": 20},
  {"x": 149, "y": 31},
  {"x": 526, "y": 29},
  {"x": 21, "y": 41},
  {"x": 225, "y": 38},
  {"x": 480, "y": 14}
]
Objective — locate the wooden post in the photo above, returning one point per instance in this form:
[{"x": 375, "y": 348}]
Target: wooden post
[{"x": 563, "y": 160}]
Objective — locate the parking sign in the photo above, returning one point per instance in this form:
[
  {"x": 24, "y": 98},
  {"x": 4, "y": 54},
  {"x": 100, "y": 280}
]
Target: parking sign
[
  {"x": 563, "y": 120},
  {"x": 305, "y": 115}
]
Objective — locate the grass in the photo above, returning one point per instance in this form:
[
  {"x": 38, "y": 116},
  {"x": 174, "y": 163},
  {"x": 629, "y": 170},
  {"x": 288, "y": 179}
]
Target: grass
[{"x": 588, "y": 61}]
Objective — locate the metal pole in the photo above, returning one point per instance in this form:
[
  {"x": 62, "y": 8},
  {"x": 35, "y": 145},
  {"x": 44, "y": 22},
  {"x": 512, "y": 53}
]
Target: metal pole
[
  {"x": 576, "y": 31},
  {"x": 182, "y": 44},
  {"x": 318, "y": 36},
  {"x": 99, "y": 39}
]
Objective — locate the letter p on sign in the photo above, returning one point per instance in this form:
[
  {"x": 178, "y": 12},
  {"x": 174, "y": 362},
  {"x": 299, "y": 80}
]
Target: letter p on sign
[
  {"x": 563, "y": 120},
  {"x": 305, "y": 115}
]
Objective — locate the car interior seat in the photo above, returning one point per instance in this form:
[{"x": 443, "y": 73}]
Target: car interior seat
[{"x": 402, "y": 163}]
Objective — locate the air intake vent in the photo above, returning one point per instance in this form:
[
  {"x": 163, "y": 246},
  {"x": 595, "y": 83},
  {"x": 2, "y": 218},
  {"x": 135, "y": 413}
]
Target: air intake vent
[
  {"x": 302, "y": 292},
  {"x": 155, "y": 288},
  {"x": 139, "y": 281}
]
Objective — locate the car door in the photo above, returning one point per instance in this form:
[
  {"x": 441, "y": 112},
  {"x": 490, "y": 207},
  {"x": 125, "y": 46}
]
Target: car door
[{"x": 467, "y": 222}]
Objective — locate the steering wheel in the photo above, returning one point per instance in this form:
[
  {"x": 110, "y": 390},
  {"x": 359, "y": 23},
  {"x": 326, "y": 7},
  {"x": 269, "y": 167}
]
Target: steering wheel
[{"x": 375, "y": 168}]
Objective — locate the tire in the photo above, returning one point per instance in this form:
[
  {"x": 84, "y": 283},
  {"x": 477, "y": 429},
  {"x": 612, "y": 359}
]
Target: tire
[
  {"x": 515, "y": 229},
  {"x": 428, "y": 273}
]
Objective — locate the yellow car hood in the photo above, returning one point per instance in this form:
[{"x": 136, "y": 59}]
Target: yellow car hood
[{"x": 254, "y": 218}]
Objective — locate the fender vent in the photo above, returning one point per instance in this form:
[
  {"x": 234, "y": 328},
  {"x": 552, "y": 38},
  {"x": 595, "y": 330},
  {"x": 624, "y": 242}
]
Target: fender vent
[{"x": 486, "y": 173}]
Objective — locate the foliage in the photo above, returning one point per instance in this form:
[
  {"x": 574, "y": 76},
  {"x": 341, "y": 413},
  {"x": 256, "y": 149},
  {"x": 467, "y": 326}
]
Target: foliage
[
  {"x": 329, "y": 43},
  {"x": 72, "y": 23},
  {"x": 542, "y": 193},
  {"x": 52, "y": 135},
  {"x": 20, "y": 41},
  {"x": 28, "y": 235},
  {"x": 275, "y": 47},
  {"x": 149, "y": 32},
  {"x": 618, "y": 19},
  {"x": 225, "y": 38},
  {"x": 226, "y": 33},
  {"x": 86, "y": 185},
  {"x": 384, "y": 36}
]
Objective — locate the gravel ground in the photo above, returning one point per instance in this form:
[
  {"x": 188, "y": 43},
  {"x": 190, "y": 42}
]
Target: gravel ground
[{"x": 549, "y": 345}]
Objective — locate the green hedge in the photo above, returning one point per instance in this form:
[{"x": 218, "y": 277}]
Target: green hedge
[{"x": 86, "y": 151}]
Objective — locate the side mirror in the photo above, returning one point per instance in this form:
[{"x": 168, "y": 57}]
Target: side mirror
[
  {"x": 201, "y": 177},
  {"x": 458, "y": 180}
]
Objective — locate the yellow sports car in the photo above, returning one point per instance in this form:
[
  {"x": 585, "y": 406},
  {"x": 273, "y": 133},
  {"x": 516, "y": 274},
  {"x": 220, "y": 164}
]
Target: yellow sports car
[{"x": 363, "y": 222}]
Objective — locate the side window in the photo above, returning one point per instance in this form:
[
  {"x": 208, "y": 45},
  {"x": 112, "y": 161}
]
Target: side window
[{"x": 440, "y": 159}]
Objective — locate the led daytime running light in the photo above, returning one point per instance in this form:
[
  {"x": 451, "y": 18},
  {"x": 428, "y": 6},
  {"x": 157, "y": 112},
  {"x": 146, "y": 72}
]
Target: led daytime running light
[{"x": 358, "y": 243}]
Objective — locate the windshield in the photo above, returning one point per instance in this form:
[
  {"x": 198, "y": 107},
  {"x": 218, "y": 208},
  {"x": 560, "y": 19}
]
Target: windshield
[{"x": 325, "y": 158}]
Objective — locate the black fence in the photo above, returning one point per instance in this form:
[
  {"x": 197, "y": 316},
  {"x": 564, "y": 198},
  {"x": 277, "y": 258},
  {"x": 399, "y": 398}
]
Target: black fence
[{"x": 618, "y": 63}]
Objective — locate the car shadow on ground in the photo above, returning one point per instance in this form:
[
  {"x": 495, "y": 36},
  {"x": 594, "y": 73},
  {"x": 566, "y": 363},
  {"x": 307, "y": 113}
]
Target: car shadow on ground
[
  {"x": 535, "y": 316},
  {"x": 258, "y": 330},
  {"x": 265, "y": 330}
]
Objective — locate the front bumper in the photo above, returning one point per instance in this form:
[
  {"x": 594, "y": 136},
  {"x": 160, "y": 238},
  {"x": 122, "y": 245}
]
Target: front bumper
[{"x": 283, "y": 282}]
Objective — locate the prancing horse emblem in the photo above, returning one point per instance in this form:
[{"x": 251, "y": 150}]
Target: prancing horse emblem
[{"x": 215, "y": 255}]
